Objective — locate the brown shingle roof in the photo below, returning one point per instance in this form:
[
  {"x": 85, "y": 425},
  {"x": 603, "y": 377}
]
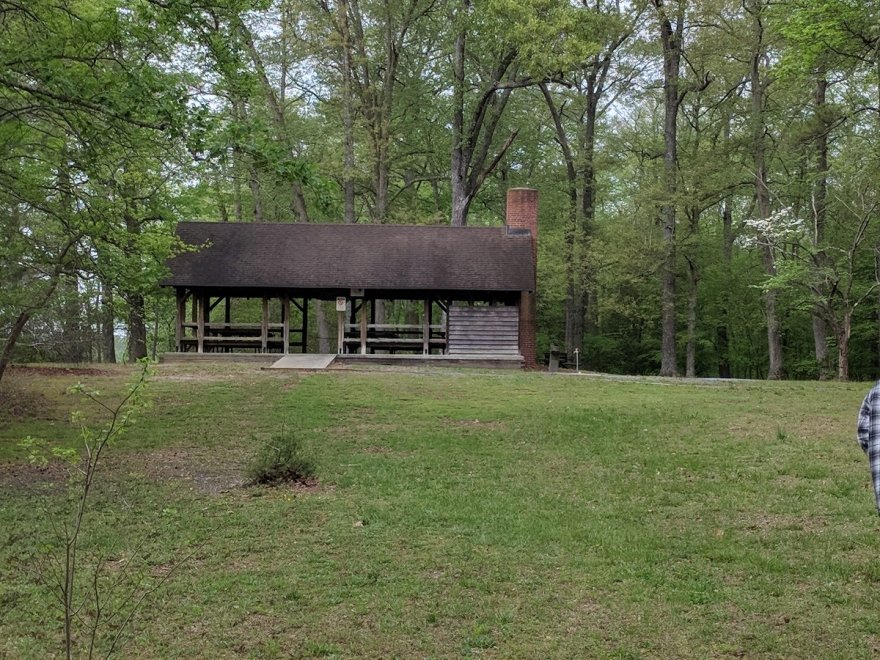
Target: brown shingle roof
[{"x": 322, "y": 256}]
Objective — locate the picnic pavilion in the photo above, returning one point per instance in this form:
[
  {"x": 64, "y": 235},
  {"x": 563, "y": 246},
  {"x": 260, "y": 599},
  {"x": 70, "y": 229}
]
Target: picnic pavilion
[{"x": 475, "y": 286}]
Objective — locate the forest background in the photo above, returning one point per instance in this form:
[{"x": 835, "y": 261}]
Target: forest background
[{"x": 708, "y": 170}]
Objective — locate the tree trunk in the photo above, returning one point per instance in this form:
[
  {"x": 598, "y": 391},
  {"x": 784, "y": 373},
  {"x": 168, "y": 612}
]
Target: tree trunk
[
  {"x": 693, "y": 282},
  {"x": 71, "y": 320},
  {"x": 256, "y": 193},
  {"x": 671, "y": 39},
  {"x": 722, "y": 332},
  {"x": 154, "y": 345},
  {"x": 137, "y": 329},
  {"x": 9, "y": 345},
  {"x": 460, "y": 199},
  {"x": 762, "y": 192},
  {"x": 588, "y": 292},
  {"x": 595, "y": 88},
  {"x": 108, "y": 326},
  {"x": 843, "y": 336},
  {"x": 820, "y": 194},
  {"x": 348, "y": 161},
  {"x": 574, "y": 311},
  {"x": 471, "y": 144},
  {"x": 239, "y": 113}
]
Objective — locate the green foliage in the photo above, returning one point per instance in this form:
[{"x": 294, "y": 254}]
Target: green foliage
[
  {"x": 123, "y": 118},
  {"x": 280, "y": 459}
]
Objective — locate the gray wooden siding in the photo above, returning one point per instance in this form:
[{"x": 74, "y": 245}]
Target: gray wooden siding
[{"x": 483, "y": 331}]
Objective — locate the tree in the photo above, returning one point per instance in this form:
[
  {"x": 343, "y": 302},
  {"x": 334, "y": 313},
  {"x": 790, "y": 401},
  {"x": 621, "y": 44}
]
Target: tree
[
  {"x": 671, "y": 25},
  {"x": 84, "y": 87},
  {"x": 575, "y": 109}
]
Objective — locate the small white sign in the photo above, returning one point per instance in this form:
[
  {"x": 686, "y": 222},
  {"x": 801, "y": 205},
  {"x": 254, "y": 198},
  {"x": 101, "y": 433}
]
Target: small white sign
[{"x": 340, "y": 303}]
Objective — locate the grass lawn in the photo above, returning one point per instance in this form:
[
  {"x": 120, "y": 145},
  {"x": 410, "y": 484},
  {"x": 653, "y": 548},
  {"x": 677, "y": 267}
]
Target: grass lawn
[{"x": 503, "y": 515}]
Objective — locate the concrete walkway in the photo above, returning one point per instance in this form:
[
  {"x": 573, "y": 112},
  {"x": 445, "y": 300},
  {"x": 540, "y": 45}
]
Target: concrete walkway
[{"x": 304, "y": 361}]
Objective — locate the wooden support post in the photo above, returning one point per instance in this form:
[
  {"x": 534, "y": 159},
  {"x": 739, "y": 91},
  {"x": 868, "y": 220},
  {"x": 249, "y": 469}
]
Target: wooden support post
[
  {"x": 228, "y": 315},
  {"x": 340, "y": 331},
  {"x": 364, "y": 326},
  {"x": 264, "y": 331},
  {"x": 181, "y": 313},
  {"x": 201, "y": 303},
  {"x": 305, "y": 327},
  {"x": 285, "y": 320},
  {"x": 446, "y": 323},
  {"x": 426, "y": 328}
]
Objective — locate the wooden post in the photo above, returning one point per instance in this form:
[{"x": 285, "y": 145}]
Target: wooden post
[
  {"x": 201, "y": 303},
  {"x": 285, "y": 320},
  {"x": 340, "y": 330},
  {"x": 264, "y": 331},
  {"x": 364, "y": 326},
  {"x": 181, "y": 313},
  {"x": 426, "y": 328},
  {"x": 305, "y": 326},
  {"x": 228, "y": 315},
  {"x": 446, "y": 323}
]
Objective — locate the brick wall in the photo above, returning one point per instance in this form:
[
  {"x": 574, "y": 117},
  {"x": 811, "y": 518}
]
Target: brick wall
[{"x": 522, "y": 213}]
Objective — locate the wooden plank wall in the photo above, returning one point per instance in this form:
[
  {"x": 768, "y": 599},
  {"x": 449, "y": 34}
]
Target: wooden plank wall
[{"x": 483, "y": 331}]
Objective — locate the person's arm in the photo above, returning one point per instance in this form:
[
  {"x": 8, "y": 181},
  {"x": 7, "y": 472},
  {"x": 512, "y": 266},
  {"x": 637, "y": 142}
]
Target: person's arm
[{"x": 863, "y": 429}]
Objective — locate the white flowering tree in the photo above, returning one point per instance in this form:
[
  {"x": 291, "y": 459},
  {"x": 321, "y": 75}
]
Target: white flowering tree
[{"x": 832, "y": 275}]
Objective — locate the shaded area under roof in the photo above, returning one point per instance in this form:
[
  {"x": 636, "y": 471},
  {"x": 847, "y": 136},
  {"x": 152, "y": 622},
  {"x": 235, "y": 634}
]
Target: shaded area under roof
[{"x": 324, "y": 256}]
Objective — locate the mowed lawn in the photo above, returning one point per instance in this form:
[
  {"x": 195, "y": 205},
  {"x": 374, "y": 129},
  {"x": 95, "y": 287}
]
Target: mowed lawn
[{"x": 492, "y": 514}]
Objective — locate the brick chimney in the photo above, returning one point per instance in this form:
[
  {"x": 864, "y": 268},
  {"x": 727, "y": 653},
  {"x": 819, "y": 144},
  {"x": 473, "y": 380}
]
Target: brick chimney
[{"x": 522, "y": 214}]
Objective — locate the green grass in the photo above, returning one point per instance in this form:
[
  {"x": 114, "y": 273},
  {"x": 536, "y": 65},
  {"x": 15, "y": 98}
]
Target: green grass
[{"x": 467, "y": 514}]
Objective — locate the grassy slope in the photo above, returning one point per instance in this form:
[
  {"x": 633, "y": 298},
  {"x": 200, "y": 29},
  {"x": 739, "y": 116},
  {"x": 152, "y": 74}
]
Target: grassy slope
[{"x": 506, "y": 515}]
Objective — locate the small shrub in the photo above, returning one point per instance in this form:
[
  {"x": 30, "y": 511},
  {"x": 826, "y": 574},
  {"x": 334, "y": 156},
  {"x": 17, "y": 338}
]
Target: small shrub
[{"x": 280, "y": 459}]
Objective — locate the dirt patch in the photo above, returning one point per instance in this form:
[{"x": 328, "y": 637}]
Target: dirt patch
[
  {"x": 771, "y": 522},
  {"x": 30, "y": 370},
  {"x": 21, "y": 404},
  {"x": 20, "y": 475},
  {"x": 307, "y": 486},
  {"x": 207, "y": 470},
  {"x": 299, "y": 487},
  {"x": 216, "y": 372}
]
